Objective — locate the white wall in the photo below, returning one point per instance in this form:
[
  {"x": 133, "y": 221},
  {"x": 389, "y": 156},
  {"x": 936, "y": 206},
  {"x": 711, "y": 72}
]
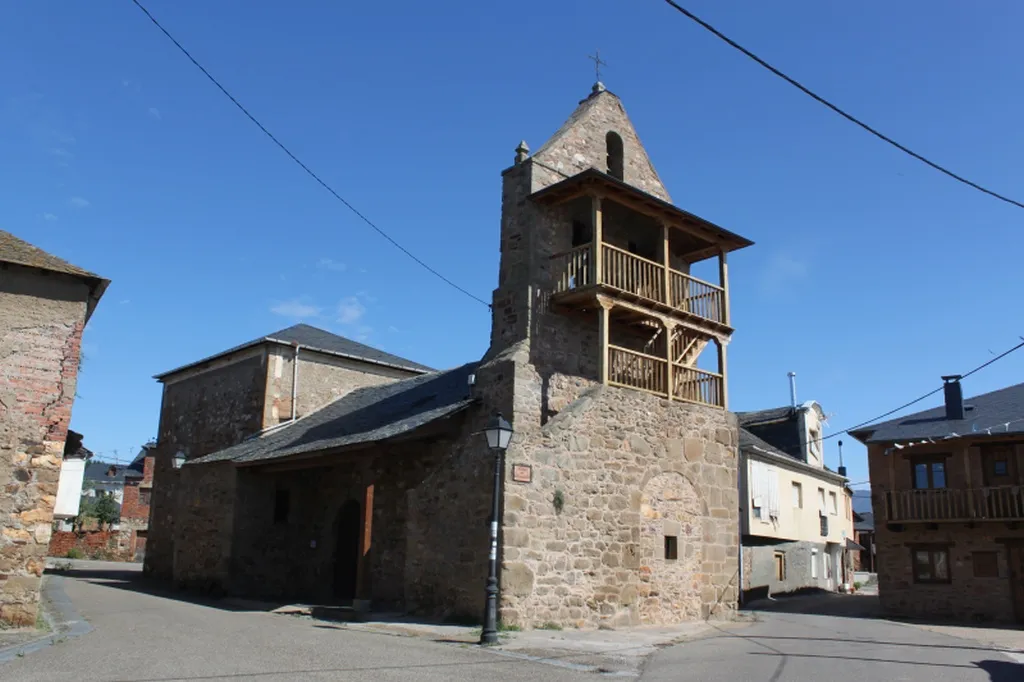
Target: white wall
[{"x": 69, "y": 489}]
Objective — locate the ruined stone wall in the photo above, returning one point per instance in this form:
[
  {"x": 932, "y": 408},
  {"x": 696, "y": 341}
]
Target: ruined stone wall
[
  {"x": 202, "y": 413},
  {"x": 629, "y": 469},
  {"x": 42, "y": 316}
]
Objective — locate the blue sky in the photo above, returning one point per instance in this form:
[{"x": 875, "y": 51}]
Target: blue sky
[{"x": 872, "y": 274}]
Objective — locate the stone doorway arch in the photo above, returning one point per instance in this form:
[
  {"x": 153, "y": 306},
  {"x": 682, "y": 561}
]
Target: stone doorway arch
[{"x": 672, "y": 517}]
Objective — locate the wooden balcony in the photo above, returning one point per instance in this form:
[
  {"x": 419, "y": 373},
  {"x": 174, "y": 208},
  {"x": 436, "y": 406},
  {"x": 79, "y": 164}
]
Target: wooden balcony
[
  {"x": 632, "y": 369},
  {"x": 637, "y": 279},
  {"x": 1004, "y": 503}
]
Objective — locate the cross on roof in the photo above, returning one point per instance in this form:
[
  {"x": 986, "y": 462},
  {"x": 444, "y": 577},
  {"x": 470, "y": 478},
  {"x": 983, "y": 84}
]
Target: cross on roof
[{"x": 598, "y": 63}]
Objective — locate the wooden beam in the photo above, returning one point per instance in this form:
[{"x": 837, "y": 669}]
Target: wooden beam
[
  {"x": 363, "y": 570},
  {"x": 670, "y": 329},
  {"x": 666, "y": 265},
  {"x": 723, "y": 281},
  {"x": 597, "y": 218}
]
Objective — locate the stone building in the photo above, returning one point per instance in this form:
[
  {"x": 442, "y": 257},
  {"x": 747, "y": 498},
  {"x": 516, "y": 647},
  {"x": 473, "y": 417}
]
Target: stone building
[
  {"x": 45, "y": 303},
  {"x": 619, "y": 497},
  {"x": 796, "y": 514},
  {"x": 138, "y": 492},
  {"x": 948, "y": 505}
]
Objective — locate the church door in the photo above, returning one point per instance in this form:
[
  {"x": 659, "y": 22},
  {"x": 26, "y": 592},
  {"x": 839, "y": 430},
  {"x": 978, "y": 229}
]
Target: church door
[{"x": 346, "y": 550}]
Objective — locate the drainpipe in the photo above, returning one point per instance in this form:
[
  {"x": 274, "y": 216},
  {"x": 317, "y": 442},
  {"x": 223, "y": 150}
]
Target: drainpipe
[{"x": 295, "y": 379}]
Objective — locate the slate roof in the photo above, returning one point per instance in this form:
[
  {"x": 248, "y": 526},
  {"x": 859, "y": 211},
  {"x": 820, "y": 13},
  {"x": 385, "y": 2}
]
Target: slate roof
[
  {"x": 773, "y": 414},
  {"x": 749, "y": 442},
  {"x": 366, "y": 415},
  {"x": 20, "y": 252},
  {"x": 864, "y": 521},
  {"x": 98, "y": 471},
  {"x": 317, "y": 339},
  {"x": 988, "y": 410}
]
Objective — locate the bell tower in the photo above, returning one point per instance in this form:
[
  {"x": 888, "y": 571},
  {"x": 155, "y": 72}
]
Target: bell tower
[{"x": 595, "y": 277}]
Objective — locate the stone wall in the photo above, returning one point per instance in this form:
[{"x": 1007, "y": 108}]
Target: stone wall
[
  {"x": 325, "y": 378},
  {"x": 630, "y": 469},
  {"x": 104, "y": 545},
  {"x": 41, "y": 320},
  {"x": 202, "y": 541},
  {"x": 759, "y": 567},
  {"x": 201, "y": 412}
]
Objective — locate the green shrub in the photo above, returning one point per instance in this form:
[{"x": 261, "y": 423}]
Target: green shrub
[
  {"x": 549, "y": 626},
  {"x": 74, "y": 553}
]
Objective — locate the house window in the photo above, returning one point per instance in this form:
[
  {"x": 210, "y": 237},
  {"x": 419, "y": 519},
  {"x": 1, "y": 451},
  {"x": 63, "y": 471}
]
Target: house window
[
  {"x": 986, "y": 564},
  {"x": 849, "y": 511},
  {"x": 815, "y": 443},
  {"x": 814, "y": 563},
  {"x": 798, "y": 496},
  {"x": 671, "y": 548},
  {"x": 929, "y": 473},
  {"x": 144, "y": 497},
  {"x": 282, "y": 504},
  {"x": 833, "y": 508},
  {"x": 615, "y": 153},
  {"x": 1000, "y": 467},
  {"x": 821, "y": 501},
  {"x": 930, "y": 564},
  {"x": 780, "y": 566}
]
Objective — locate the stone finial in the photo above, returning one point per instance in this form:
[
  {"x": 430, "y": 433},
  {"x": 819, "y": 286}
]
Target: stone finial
[
  {"x": 522, "y": 152},
  {"x": 598, "y": 87}
]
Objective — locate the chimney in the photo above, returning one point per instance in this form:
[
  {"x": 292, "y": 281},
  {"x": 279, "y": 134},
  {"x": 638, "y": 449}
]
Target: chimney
[
  {"x": 792, "y": 388},
  {"x": 842, "y": 469},
  {"x": 954, "y": 397}
]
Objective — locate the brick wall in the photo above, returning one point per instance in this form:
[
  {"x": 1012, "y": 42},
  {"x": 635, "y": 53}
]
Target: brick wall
[
  {"x": 105, "y": 545},
  {"x": 41, "y": 320}
]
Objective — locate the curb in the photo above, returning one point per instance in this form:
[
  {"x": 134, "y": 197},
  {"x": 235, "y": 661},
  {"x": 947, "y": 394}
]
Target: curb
[{"x": 61, "y": 615}]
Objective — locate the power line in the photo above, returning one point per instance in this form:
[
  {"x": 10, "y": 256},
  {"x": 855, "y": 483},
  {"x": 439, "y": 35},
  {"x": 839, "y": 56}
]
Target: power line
[
  {"x": 302, "y": 165},
  {"x": 850, "y": 117},
  {"x": 926, "y": 395}
]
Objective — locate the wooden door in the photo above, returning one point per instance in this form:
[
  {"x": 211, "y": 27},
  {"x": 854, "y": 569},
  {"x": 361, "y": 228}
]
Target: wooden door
[{"x": 1016, "y": 557}]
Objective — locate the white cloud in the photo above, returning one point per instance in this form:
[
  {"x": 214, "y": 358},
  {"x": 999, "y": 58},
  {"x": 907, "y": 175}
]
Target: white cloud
[
  {"x": 79, "y": 202},
  {"x": 350, "y": 310},
  {"x": 781, "y": 272},
  {"x": 61, "y": 153},
  {"x": 125, "y": 301},
  {"x": 329, "y": 264},
  {"x": 49, "y": 217},
  {"x": 155, "y": 113},
  {"x": 296, "y": 307},
  {"x": 393, "y": 329},
  {"x": 363, "y": 333}
]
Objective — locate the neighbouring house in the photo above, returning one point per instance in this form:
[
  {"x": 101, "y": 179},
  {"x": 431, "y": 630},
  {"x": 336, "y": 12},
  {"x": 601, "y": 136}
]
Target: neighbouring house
[
  {"x": 104, "y": 478},
  {"x": 864, "y": 535},
  {"x": 795, "y": 513},
  {"x": 72, "y": 475},
  {"x": 949, "y": 505},
  {"x": 135, "y": 505},
  {"x": 45, "y": 303},
  {"x": 619, "y": 489}
]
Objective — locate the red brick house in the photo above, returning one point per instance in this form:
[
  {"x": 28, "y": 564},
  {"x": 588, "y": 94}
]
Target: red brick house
[
  {"x": 138, "y": 491},
  {"x": 949, "y": 506}
]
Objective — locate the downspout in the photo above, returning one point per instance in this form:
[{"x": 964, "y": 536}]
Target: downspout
[{"x": 295, "y": 379}]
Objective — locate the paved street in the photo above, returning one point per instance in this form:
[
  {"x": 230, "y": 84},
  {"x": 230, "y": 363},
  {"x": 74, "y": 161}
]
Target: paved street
[
  {"x": 798, "y": 647},
  {"x": 141, "y": 637}
]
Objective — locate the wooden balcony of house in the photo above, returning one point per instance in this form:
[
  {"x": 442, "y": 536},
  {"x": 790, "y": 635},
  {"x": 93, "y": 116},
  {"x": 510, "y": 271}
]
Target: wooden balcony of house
[
  {"x": 633, "y": 278},
  {"x": 1001, "y": 503},
  {"x": 675, "y": 381}
]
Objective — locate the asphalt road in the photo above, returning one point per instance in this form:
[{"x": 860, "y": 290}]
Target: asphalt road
[
  {"x": 142, "y": 637},
  {"x": 801, "y": 647}
]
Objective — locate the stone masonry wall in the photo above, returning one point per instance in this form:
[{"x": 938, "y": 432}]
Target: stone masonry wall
[
  {"x": 630, "y": 469},
  {"x": 41, "y": 320},
  {"x": 203, "y": 413},
  {"x": 202, "y": 539}
]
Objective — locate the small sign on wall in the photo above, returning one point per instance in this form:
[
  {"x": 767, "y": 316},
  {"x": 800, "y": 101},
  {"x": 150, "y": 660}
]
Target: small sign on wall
[{"x": 522, "y": 473}]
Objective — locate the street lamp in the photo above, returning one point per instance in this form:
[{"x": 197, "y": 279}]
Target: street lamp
[
  {"x": 178, "y": 460},
  {"x": 499, "y": 433}
]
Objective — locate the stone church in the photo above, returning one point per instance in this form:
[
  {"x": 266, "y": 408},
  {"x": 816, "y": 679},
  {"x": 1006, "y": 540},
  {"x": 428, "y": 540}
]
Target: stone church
[{"x": 321, "y": 470}]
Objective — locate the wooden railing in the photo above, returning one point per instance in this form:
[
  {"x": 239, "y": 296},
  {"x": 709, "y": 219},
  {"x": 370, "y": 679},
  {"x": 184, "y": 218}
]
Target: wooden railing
[
  {"x": 640, "y": 277},
  {"x": 574, "y": 268},
  {"x": 696, "y": 385},
  {"x": 697, "y": 297},
  {"x": 637, "y": 370},
  {"x": 631, "y": 273},
  {"x": 1002, "y": 503}
]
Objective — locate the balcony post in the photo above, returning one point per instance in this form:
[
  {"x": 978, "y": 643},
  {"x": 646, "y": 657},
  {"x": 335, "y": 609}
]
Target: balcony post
[
  {"x": 723, "y": 279},
  {"x": 598, "y": 221},
  {"x": 666, "y": 264},
  {"x": 604, "y": 313},
  {"x": 670, "y": 328},
  {"x": 968, "y": 455},
  {"x": 723, "y": 371}
]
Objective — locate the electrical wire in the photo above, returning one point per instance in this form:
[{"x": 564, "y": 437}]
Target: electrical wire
[
  {"x": 300, "y": 163},
  {"x": 850, "y": 117}
]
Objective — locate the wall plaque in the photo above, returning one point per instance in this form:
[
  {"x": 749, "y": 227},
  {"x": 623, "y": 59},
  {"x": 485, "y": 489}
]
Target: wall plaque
[{"x": 522, "y": 473}]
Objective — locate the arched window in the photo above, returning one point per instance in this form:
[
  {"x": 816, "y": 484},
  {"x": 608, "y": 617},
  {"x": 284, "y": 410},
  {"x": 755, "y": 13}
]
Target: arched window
[{"x": 614, "y": 144}]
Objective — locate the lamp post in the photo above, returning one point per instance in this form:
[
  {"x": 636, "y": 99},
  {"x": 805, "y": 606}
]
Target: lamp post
[
  {"x": 178, "y": 459},
  {"x": 499, "y": 433}
]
